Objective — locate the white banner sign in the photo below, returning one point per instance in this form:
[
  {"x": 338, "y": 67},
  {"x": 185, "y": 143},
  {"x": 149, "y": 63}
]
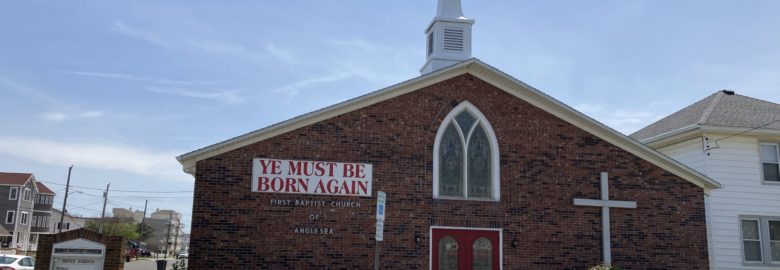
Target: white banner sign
[{"x": 311, "y": 177}]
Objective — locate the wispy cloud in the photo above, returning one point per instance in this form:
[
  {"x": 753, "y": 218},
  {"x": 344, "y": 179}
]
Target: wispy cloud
[
  {"x": 216, "y": 47},
  {"x": 141, "y": 34},
  {"x": 129, "y": 77},
  {"x": 21, "y": 89},
  {"x": 375, "y": 62},
  {"x": 60, "y": 110},
  {"x": 95, "y": 156},
  {"x": 91, "y": 114},
  {"x": 55, "y": 116},
  {"x": 378, "y": 64},
  {"x": 626, "y": 121},
  {"x": 62, "y": 116},
  {"x": 224, "y": 96},
  {"x": 180, "y": 41},
  {"x": 294, "y": 89},
  {"x": 282, "y": 54}
]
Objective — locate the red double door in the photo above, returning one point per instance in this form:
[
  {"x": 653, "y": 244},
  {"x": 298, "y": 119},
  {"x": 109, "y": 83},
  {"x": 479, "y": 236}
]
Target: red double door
[{"x": 465, "y": 249}]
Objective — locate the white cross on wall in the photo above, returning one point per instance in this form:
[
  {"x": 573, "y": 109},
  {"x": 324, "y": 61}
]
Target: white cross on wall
[{"x": 605, "y": 204}]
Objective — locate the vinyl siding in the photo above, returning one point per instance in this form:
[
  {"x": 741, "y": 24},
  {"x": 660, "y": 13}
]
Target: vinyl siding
[
  {"x": 687, "y": 152},
  {"x": 734, "y": 162}
]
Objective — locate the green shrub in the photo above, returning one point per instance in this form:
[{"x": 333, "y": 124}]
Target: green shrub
[{"x": 604, "y": 267}]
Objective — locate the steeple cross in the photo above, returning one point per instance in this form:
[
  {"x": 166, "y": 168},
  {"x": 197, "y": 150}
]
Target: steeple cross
[{"x": 605, "y": 204}]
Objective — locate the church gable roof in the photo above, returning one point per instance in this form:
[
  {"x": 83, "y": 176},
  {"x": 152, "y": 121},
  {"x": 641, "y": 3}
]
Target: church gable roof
[
  {"x": 480, "y": 70},
  {"x": 723, "y": 109}
]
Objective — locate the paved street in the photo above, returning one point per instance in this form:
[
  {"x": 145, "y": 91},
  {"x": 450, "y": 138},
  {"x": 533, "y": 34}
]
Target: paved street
[{"x": 146, "y": 264}]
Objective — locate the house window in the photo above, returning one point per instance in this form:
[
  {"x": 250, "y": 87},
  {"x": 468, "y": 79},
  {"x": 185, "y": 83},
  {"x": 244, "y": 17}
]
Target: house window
[
  {"x": 9, "y": 217},
  {"x": 466, "y": 156},
  {"x": 761, "y": 240},
  {"x": 23, "y": 218},
  {"x": 770, "y": 162},
  {"x": 64, "y": 226},
  {"x": 13, "y": 193},
  {"x": 27, "y": 194}
]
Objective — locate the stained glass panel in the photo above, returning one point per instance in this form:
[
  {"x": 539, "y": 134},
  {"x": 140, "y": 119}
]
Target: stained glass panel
[
  {"x": 465, "y": 121},
  {"x": 483, "y": 254},
  {"x": 448, "y": 253},
  {"x": 479, "y": 165},
  {"x": 451, "y": 163}
]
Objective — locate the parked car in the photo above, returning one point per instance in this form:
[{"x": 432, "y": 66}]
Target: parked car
[
  {"x": 17, "y": 262},
  {"x": 182, "y": 255},
  {"x": 144, "y": 253}
]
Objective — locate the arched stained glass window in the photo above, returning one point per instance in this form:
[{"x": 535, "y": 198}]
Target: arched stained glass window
[
  {"x": 448, "y": 253},
  {"x": 482, "y": 258},
  {"x": 466, "y": 156}
]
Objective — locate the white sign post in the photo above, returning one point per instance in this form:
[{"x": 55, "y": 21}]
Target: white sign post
[{"x": 380, "y": 224}]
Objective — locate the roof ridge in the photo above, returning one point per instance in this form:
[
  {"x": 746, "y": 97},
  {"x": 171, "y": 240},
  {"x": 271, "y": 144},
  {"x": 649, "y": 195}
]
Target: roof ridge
[
  {"x": 711, "y": 107},
  {"x": 756, "y": 99}
]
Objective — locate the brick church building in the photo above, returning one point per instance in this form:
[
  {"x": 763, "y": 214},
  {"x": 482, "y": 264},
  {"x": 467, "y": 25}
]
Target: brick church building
[{"x": 480, "y": 171}]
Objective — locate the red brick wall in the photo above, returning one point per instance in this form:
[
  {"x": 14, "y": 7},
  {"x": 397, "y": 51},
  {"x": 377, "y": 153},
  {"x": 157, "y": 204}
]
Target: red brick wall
[
  {"x": 544, "y": 164},
  {"x": 115, "y": 247}
]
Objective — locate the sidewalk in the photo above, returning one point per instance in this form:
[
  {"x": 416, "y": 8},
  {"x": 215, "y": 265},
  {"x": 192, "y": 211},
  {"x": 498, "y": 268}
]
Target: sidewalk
[{"x": 146, "y": 264}]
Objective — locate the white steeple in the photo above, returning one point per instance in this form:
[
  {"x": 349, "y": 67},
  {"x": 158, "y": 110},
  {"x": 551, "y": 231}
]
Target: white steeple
[{"x": 448, "y": 37}]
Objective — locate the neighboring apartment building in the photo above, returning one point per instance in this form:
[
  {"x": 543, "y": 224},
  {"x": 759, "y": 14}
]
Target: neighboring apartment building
[
  {"x": 734, "y": 140},
  {"x": 69, "y": 222},
  {"x": 137, "y": 216},
  {"x": 166, "y": 224},
  {"x": 25, "y": 205},
  {"x": 42, "y": 211}
]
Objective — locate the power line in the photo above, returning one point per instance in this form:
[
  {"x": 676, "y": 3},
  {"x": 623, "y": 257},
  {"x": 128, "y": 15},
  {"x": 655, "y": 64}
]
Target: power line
[
  {"x": 84, "y": 208},
  {"x": 119, "y": 190},
  {"x": 746, "y": 131},
  {"x": 117, "y": 203},
  {"x": 717, "y": 145},
  {"x": 153, "y": 197}
]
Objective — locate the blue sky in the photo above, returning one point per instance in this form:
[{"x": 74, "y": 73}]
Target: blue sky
[{"x": 120, "y": 88}]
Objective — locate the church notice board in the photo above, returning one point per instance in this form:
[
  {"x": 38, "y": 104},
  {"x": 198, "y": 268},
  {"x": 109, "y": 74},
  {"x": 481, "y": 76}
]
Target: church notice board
[{"x": 311, "y": 177}]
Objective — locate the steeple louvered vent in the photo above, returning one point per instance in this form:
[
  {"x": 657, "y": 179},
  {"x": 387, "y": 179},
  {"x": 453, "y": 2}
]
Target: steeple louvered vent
[
  {"x": 430, "y": 43},
  {"x": 453, "y": 39}
]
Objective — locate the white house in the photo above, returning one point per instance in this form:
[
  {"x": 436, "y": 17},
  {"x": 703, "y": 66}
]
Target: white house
[{"x": 734, "y": 140}]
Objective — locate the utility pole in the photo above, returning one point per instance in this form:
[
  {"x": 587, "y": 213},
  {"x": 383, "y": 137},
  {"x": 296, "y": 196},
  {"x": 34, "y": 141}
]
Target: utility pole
[
  {"x": 141, "y": 235},
  {"x": 65, "y": 201},
  {"x": 103, "y": 215},
  {"x": 168, "y": 236}
]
